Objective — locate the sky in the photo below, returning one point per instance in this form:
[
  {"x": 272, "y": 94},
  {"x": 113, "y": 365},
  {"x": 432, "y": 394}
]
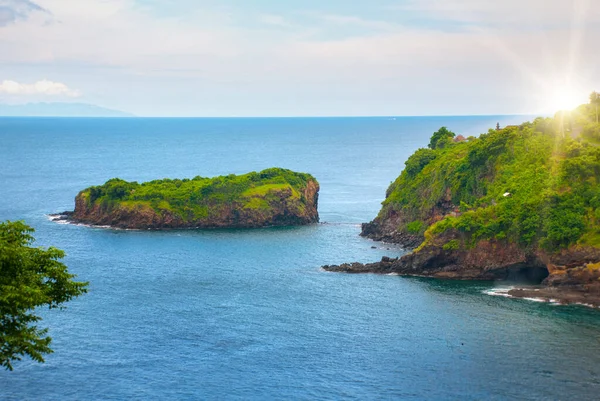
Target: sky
[{"x": 301, "y": 58}]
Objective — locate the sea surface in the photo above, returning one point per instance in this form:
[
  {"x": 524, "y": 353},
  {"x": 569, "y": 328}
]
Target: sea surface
[{"x": 249, "y": 314}]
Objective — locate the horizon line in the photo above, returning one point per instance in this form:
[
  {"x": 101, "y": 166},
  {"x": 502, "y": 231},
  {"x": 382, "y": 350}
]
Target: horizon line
[{"x": 290, "y": 117}]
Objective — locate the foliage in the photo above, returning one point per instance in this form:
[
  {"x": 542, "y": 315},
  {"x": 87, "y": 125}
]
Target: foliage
[
  {"x": 441, "y": 138},
  {"x": 451, "y": 245},
  {"x": 415, "y": 227},
  {"x": 418, "y": 161},
  {"x": 199, "y": 197},
  {"x": 29, "y": 278},
  {"x": 565, "y": 223},
  {"x": 537, "y": 184}
]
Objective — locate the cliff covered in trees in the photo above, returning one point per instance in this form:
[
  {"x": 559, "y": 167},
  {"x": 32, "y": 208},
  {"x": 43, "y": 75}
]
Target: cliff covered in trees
[
  {"x": 272, "y": 197},
  {"x": 521, "y": 202}
]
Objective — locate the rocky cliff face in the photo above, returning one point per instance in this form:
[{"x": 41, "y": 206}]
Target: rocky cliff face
[
  {"x": 392, "y": 224},
  {"x": 571, "y": 276},
  {"x": 488, "y": 260},
  {"x": 387, "y": 228}
]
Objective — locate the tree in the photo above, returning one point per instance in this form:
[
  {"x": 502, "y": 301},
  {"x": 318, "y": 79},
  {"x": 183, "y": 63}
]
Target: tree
[
  {"x": 595, "y": 100},
  {"x": 441, "y": 138},
  {"x": 415, "y": 163},
  {"x": 30, "y": 277}
]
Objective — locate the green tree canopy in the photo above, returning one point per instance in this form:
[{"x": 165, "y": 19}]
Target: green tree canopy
[
  {"x": 30, "y": 277},
  {"x": 440, "y": 138},
  {"x": 415, "y": 163}
]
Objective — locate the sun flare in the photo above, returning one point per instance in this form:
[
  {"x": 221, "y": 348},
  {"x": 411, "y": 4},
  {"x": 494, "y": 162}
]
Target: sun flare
[{"x": 565, "y": 98}]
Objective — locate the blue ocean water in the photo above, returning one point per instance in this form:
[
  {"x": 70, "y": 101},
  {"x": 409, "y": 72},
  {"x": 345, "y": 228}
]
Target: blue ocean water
[{"x": 248, "y": 314}]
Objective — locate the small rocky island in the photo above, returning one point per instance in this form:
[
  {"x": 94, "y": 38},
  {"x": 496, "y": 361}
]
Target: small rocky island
[
  {"x": 518, "y": 204},
  {"x": 272, "y": 197}
]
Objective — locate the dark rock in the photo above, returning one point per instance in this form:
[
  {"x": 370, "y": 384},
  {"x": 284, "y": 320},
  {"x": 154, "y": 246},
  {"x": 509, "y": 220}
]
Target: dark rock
[
  {"x": 567, "y": 277},
  {"x": 562, "y": 295},
  {"x": 375, "y": 231}
]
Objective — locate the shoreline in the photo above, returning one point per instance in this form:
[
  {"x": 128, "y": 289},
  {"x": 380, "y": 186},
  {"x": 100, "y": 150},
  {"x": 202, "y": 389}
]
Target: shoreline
[
  {"x": 558, "y": 295},
  {"x": 64, "y": 218},
  {"x": 549, "y": 295}
]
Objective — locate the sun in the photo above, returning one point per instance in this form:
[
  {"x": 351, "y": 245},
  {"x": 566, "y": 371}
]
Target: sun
[{"x": 564, "y": 98}]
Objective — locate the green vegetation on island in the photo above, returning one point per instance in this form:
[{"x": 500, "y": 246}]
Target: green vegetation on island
[
  {"x": 537, "y": 185},
  {"x": 273, "y": 196},
  {"x": 29, "y": 278}
]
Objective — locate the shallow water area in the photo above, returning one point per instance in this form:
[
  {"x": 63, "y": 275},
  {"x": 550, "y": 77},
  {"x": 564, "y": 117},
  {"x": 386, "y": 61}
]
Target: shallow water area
[
  {"x": 504, "y": 292},
  {"x": 249, "y": 314}
]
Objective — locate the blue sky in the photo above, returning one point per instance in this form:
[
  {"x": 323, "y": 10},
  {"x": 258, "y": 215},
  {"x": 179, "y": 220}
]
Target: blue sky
[{"x": 301, "y": 58}]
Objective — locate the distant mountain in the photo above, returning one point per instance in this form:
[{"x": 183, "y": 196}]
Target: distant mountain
[{"x": 58, "y": 110}]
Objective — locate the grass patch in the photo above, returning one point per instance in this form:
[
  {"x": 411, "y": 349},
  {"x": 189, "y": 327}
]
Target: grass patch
[
  {"x": 262, "y": 190},
  {"x": 257, "y": 204}
]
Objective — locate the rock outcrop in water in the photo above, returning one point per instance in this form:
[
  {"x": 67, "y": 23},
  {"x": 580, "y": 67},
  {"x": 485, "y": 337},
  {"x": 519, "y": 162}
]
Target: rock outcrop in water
[
  {"x": 272, "y": 197},
  {"x": 520, "y": 204},
  {"x": 572, "y": 276}
]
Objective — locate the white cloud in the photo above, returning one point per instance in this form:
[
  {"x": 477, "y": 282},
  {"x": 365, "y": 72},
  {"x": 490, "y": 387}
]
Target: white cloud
[
  {"x": 121, "y": 51},
  {"x": 118, "y": 33},
  {"x": 43, "y": 87}
]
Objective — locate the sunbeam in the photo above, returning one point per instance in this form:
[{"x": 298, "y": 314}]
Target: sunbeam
[{"x": 556, "y": 83}]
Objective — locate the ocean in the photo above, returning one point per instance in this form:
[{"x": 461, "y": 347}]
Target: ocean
[{"x": 249, "y": 314}]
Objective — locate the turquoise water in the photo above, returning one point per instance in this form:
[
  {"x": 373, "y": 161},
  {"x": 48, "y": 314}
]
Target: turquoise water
[{"x": 248, "y": 314}]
